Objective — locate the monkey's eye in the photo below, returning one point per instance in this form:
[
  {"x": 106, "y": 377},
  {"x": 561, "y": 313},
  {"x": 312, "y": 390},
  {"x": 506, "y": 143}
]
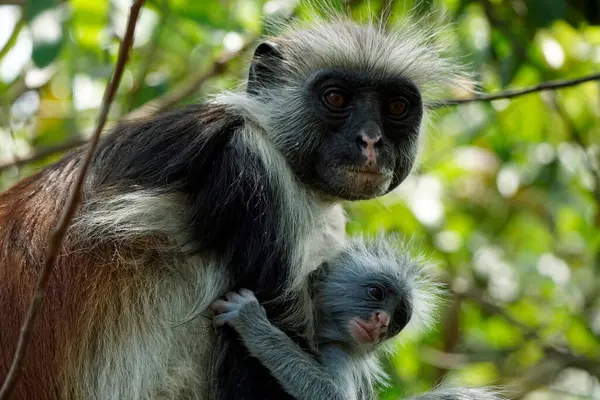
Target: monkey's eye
[
  {"x": 402, "y": 314},
  {"x": 376, "y": 292},
  {"x": 401, "y": 318},
  {"x": 398, "y": 107},
  {"x": 335, "y": 99}
]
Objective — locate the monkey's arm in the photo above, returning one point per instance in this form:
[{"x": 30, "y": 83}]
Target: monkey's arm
[
  {"x": 458, "y": 394},
  {"x": 301, "y": 375}
]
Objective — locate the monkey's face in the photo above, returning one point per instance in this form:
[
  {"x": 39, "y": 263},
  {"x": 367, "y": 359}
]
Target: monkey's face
[
  {"x": 350, "y": 133},
  {"x": 381, "y": 313},
  {"x": 367, "y": 132},
  {"x": 361, "y": 311},
  {"x": 343, "y": 101}
]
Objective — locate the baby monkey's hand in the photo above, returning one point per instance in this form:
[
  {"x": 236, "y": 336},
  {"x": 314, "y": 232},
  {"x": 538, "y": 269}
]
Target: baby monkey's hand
[{"x": 238, "y": 309}]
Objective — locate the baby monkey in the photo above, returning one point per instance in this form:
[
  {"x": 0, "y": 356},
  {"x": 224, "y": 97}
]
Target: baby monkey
[{"x": 362, "y": 299}]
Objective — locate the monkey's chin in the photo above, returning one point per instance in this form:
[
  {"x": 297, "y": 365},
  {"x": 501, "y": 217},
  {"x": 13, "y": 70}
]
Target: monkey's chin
[{"x": 350, "y": 184}]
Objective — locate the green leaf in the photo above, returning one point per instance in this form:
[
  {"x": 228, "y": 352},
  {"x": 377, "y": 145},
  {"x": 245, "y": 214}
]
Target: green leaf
[
  {"x": 543, "y": 12},
  {"x": 36, "y": 7},
  {"x": 582, "y": 340},
  {"x": 208, "y": 13},
  {"x": 45, "y": 53},
  {"x": 501, "y": 333}
]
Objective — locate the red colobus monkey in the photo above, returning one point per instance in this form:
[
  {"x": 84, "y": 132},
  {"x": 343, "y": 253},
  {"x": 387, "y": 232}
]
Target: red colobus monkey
[{"x": 239, "y": 192}]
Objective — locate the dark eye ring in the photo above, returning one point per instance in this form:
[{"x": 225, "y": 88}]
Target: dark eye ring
[
  {"x": 376, "y": 292},
  {"x": 334, "y": 99},
  {"x": 398, "y": 107},
  {"x": 402, "y": 314}
]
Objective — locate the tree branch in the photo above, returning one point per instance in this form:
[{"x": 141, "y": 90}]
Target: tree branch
[
  {"x": 57, "y": 236},
  {"x": 13, "y": 3},
  {"x": 186, "y": 88},
  {"x": 191, "y": 85},
  {"x": 13, "y": 38},
  {"x": 509, "y": 94},
  {"x": 138, "y": 83},
  {"x": 42, "y": 153},
  {"x": 168, "y": 100},
  {"x": 499, "y": 24},
  {"x": 588, "y": 161},
  {"x": 563, "y": 354}
]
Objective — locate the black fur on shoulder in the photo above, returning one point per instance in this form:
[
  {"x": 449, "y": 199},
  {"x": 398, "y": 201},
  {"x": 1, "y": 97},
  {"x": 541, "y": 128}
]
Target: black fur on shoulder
[{"x": 234, "y": 216}]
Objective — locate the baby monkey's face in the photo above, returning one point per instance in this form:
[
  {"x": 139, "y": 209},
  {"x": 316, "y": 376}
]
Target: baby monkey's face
[
  {"x": 389, "y": 312},
  {"x": 362, "y": 309}
]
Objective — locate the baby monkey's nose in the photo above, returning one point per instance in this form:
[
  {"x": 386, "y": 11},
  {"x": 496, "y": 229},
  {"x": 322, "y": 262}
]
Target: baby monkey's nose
[{"x": 382, "y": 318}]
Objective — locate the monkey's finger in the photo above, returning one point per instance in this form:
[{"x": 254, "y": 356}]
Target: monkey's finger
[
  {"x": 220, "y": 306},
  {"x": 234, "y": 297},
  {"x": 247, "y": 293},
  {"x": 223, "y": 319}
]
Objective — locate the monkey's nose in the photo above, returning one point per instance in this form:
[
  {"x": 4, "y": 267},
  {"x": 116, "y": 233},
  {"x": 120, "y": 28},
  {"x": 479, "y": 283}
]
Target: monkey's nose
[
  {"x": 367, "y": 144},
  {"x": 382, "y": 318}
]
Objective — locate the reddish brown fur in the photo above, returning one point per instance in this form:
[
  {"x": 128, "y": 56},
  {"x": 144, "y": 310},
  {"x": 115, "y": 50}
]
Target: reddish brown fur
[
  {"x": 75, "y": 305},
  {"x": 28, "y": 212}
]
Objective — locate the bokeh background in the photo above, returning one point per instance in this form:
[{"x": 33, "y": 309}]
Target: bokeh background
[{"x": 506, "y": 198}]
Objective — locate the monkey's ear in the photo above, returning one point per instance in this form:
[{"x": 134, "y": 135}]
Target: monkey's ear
[
  {"x": 317, "y": 275},
  {"x": 324, "y": 269},
  {"x": 266, "y": 57},
  {"x": 268, "y": 49}
]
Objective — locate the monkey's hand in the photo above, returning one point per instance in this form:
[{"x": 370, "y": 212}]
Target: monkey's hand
[{"x": 238, "y": 311}]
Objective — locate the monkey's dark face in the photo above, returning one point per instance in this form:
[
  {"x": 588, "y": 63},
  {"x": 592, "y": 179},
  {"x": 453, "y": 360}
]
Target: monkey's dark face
[
  {"x": 368, "y": 130},
  {"x": 348, "y": 132},
  {"x": 361, "y": 311}
]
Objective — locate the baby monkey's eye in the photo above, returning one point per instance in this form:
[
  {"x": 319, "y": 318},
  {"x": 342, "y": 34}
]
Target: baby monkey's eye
[
  {"x": 377, "y": 292},
  {"x": 401, "y": 319}
]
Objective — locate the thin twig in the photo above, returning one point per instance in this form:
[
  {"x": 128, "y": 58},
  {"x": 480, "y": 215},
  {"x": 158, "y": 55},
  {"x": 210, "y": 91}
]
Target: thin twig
[
  {"x": 186, "y": 88},
  {"x": 191, "y": 85},
  {"x": 149, "y": 59},
  {"x": 478, "y": 297},
  {"x": 13, "y": 38},
  {"x": 499, "y": 24},
  {"x": 451, "y": 332},
  {"x": 42, "y": 153},
  {"x": 564, "y": 354},
  {"x": 57, "y": 236},
  {"x": 509, "y": 94},
  {"x": 182, "y": 91},
  {"x": 577, "y": 137},
  {"x": 13, "y": 2}
]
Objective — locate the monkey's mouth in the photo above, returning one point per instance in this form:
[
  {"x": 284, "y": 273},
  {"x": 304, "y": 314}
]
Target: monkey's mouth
[
  {"x": 367, "y": 171},
  {"x": 363, "y": 332},
  {"x": 367, "y": 175},
  {"x": 350, "y": 182},
  {"x": 366, "y": 183}
]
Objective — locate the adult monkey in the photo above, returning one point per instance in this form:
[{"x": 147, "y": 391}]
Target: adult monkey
[{"x": 179, "y": 209}]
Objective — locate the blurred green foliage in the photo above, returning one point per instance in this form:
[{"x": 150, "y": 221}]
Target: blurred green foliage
[{"x": 506, "y": 197}]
